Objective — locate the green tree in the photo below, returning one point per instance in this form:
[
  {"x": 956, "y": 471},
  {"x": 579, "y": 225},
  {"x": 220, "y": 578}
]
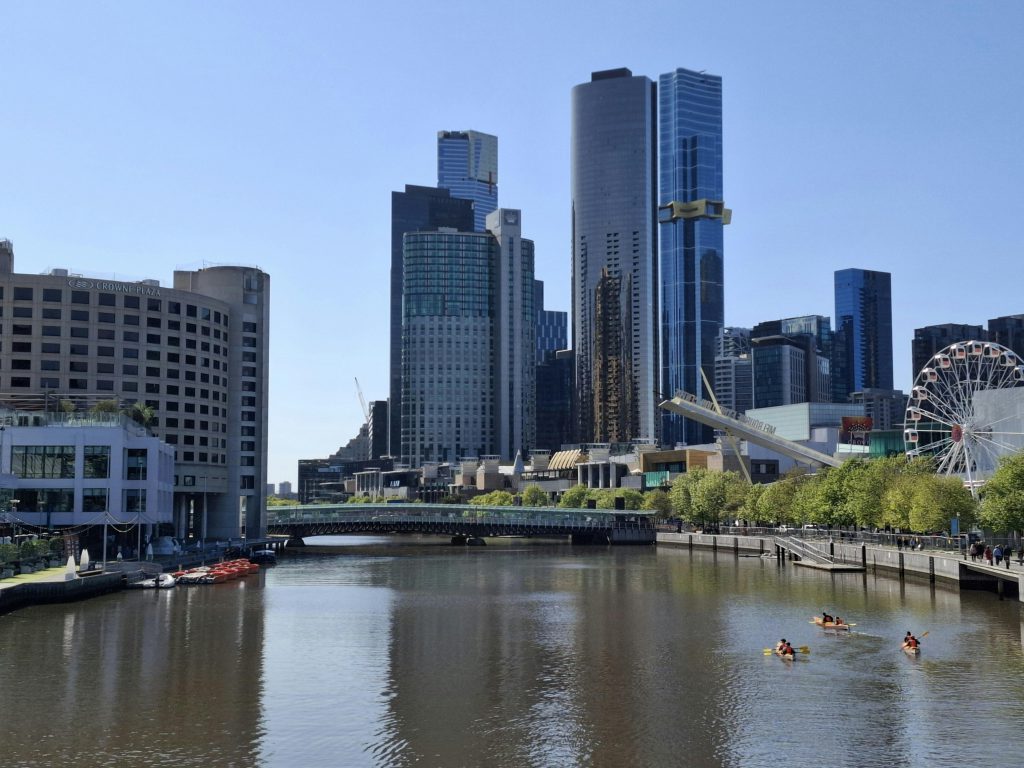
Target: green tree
[
  {"x": 106, "y": 406},
  {"x": 575, "y": 497},
  {"x": 494, "y": 499},
  {"x": 8, "y": 553},
  {"x": 776, "y": 502},
  {"x": 708, "y": 497},
  {"x": 277, "y": 501},
  {"x": 937, "y": 500},
  {"x": 682, "y": 491},
  {"x": 141, "y": 413},
  {"x": 749, "y": 507},
  {"x": 808, "y": 504},
  {"x": 1002, "y": 501},
  {"x": 658, "y": 501},
  {"x": 534, "y": 496}
]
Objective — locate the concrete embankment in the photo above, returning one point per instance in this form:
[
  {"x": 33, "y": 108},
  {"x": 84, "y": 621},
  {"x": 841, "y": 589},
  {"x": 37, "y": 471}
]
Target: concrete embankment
[
  {"x": 931, "y": 565},
  {"x": 53, "y": 591}
]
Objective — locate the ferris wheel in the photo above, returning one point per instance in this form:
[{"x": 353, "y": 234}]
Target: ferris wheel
[{"x": 951, "y": 417}]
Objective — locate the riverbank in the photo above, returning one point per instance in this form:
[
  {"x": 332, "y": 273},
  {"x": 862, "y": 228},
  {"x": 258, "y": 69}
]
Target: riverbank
[{"x": 934, "y": 566}]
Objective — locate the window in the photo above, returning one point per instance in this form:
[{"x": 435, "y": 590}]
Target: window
[
  {"x": 79, "y": 297},
  {"x": 189, "y": 439},
  {"x": 105, "y": 385},
  {"x": 105, "y": 317},
  {"x": 107, "y": 334},
  {"x": 53, "y": 294},
  {"x": 249, "y": 327},
  {"x": 78, "y": 383},
  {"x": 135, "y": 464},
  {"x": 26, "y": 330},
  {"x": 172, "y": 389},
  {"x": 152, "y": 322},
  {"x": 248, "y": 370},
  {"x": 189, "y": 456},
  {"x": 48, "y": 383},
  {"x": 22, "y": 312},
  {"x": 22, "y": 294},
  {"x": 129, "y": 335},
  {"x": 248, "y": 416},
  {"x": 94, "y": 499},
  {"x": 130, "y": 353},
  {"x": 154, "y": 305},
  {"x": 135, "y": 498},
  {"x": 21, "y": 381},
  {"x": 79, "y": 349},
  {"x": 190, "y": 343},
  {"x": 130, "y": 386},
  {"x": 152, "y": 371},
  {"x": 247, "y": 461},
  {"x": 174, "y": 325},
  {"x": 81, "y": 315},
  {"x": 105, "y": 351},
  {"x": 130, "y": 302},
  {"x": 43, "y": 461},
  {"x": 174, "y": 307},
  {"x": 21, "y": 365},
  {"x": 105, "y": 299},
  {"x": 49, "y": 365},
  {"x": 247, "y": 482},
  {"x": 190, "y": 309},
  {"x": 190, "y": 327},
  {"x": 50, "y": 348},
  {"x": 48, "y": 330},
  {"x": 79, "y": 333},
  {"x": 247, "y": 431},
  {"x": 49, "y": 313},
  {"x": 21, "y": 346},
  {"x": 97, "y": 461},
  {"x": 248, "y": 445},
  {"x": 79, "y": 366},
  {"x": 131, "y": 319},
  {"x": 171, "y": 405},
  {"x": 171, "y": 422},
  {"x": 104, "y": 367},
  {"x": 129, "y": 370},
  {"x": 152, "y": 354}
]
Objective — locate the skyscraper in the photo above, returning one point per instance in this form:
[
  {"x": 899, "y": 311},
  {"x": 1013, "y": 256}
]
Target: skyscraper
[
  {"x": 614, "y": 236},
  {"x": 468, "y": 355},
  {"x": 467, "y": 166},
  {"x": 692, "y": 214},
  {"x": 791, "y": 361},
  {"x": 417, "y": 209},
  {"x": 734, "y": 378},
  {"x": 932, "y": 338},
  {"x": 552, "y": 326},
  {"x": 862, "y": 353}
]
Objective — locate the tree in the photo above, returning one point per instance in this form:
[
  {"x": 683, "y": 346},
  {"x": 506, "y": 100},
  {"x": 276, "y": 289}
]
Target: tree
[
  {"x": 681, "y": 493},
  {"x": 277, "y": 501},
  {"x": 808, "y": 504},
  {"x": 575, "y": 497},
  {"x": 658, "y": 501},
  {"x": 534, "y": 496},
  {"x": 749, "y": 507},
  {"x": 776, "y": 502},
  {"x": 494, "y": 499},
  {"x": 937, "y": 500},
  {"x": 707, "y": 497},
  {"x": 106, "y": 406},
  {"x": 141, "y": 413},
  {"x": 1002, "y": 503}
]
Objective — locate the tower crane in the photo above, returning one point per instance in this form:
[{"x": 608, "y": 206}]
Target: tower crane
[{"x": 362, "y": 401}]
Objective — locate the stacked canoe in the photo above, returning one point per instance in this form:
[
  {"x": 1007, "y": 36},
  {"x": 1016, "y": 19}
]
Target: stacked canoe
[{"x": 216, "y": 574}]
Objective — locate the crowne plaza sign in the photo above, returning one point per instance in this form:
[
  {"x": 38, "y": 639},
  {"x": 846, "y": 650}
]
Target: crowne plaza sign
[{"x": 102, "y": 285}]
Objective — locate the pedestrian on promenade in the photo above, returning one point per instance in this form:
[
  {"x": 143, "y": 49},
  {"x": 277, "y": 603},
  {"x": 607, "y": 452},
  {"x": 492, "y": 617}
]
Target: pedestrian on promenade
[
  {"x": 899, "y": 543},
  {"x": 1007, "y": 554},
  {"x": 988, "y": 555},
  {"x": 973, "y": 551},
  {"x": 997, "y": 553}
]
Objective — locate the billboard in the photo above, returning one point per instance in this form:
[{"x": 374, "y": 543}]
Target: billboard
[{"x": 855, "y": 430}]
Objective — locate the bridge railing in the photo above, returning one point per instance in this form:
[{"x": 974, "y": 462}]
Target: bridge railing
[{"x": 448, "y": 514}]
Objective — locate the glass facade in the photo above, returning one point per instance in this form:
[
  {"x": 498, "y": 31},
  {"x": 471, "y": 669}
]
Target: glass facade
[
  {"x": 467, "y": 166},
  {"x": 417, "y": 209},
  {"x": 862, "y": 353},
  {"x": 691, "y": 241},
  {"x": 614, "y": 233},
  {"x": 552, "y": 326}
]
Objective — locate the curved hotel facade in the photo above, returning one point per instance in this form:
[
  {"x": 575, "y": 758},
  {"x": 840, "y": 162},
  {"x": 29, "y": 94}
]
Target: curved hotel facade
[{"x": 196, "y": 353}]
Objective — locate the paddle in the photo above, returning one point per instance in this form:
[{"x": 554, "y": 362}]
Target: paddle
[{"x": 801, "y": 649}]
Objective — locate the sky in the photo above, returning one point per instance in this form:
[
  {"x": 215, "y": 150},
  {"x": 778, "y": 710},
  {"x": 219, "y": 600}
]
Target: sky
[{"x": 140, "y": 138}]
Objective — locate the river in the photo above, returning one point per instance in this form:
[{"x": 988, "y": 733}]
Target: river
[{"x": 400, "y": 652}]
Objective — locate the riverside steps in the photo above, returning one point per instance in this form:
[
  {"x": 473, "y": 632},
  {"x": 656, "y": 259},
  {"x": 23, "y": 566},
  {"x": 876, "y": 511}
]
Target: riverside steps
[{"x": 947, "y": 566}]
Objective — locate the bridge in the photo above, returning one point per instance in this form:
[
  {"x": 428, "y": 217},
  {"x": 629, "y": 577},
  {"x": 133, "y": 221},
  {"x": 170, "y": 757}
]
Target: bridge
[{"x": 463, "y": 522}]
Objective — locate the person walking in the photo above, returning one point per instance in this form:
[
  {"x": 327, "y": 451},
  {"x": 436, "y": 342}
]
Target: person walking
[
  {"x": 1007, "y": 554},
  {"x": 988, "y": 555},
  {"x": 997, "y": 553}
]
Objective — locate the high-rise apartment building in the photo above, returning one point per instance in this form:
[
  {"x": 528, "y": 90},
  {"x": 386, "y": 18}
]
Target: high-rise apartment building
[
  {"x": 552, "y": 326},
  {"x": 468, "y": 345},
  {"x": 417, "y": 209},
  {"x": 614, "y": 237},
  {"x": 692, "y": 215},
  {"x": 556, "y": 385},
  {"x": 378, "y": 428},
  {"x": 196, "y": 353},
  {"x": 734, "y": 375},
  {"x": 932, "y": 338},
  {"x": 467, "y": 166},
  {"x": 862, "y": 356},
  {"x": 1008, "y": 331},
  {"x": 791, "y": 361}
]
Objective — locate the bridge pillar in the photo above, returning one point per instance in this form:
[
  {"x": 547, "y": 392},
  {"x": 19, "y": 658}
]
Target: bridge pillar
[{"x": 295, "y": 541}]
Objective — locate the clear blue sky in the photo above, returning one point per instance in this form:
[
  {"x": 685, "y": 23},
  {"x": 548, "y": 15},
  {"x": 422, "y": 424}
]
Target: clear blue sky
[{"x": 141, "y": 137}]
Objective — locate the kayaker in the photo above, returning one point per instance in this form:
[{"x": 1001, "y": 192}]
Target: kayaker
[
  {"x": 788, "y": 650},
  {"x": 826, "y": 619},
  {"x": 780, "y": 646},
  {"x": 838, "y": 621},
  {"x": 910, "y": 641}
]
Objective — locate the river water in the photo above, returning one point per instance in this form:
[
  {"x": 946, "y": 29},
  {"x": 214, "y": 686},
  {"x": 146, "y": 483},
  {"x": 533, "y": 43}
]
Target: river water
[{"x": 408, "y": 652}]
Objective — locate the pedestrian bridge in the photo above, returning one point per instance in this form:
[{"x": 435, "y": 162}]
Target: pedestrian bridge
[{"x": 463, "y": 522}]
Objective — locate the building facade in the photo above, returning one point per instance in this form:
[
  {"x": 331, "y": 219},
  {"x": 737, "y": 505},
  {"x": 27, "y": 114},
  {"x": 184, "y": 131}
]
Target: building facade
[
  {"x": 862, "y": 356},
  {"x": 556, "y": 386},
  {"x": 692, "y": 215},
  {"x": 378, "y": 428},
  {"x": 1008, "y": 331},
  {"x": 417, "y": 209},
  {"x": 614, "y": 235},
  {"x": 791, "y": 361},
  {"x": 552, "y": 326},
  {"x": 933, "y": 338},
  {"x": 467, "y": 166},
  {"x": 468, "y": 339},
  {"x": 734, "y": 373},
  {"x": 195, "y": 353}
]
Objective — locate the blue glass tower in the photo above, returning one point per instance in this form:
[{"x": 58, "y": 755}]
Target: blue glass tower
[
  {"x": 862, "y": 352},
  {"x": 467, "y": 166},
  {"x": 692, "y": 214},
  {"x": 552, "y": 326}
]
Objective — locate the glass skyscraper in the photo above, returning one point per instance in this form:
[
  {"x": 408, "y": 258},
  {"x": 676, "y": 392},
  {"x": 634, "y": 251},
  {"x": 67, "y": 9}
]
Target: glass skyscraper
[
  {"x": 862, "y": 351},
  {"x": 552, "y": 325},
  {"x": 614, "y": 242},
  {"x": 692, "y": 214},
  {"x": 467, "y": 166}
]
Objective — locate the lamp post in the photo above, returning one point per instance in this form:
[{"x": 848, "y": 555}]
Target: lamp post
[{"x": 14, "y": 520}]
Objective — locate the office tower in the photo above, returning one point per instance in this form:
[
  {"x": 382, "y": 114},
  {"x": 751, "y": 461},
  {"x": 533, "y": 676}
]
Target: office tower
[
  {"x": 932, "y": 338},
  {"x": 467, "y": 166},
  {"x": 552, "y": 326},
  {"x": 614, "y": 236},
  {"x": 791, "y": 361},
  {"x": 1008, "y": 331},
  {"x": 691, "y": 215},
  {"x": 378, "y": 428},
  {"x": 196, "y": 353},
  {"x": 284, "y": 489},
  {"x": 556, "y": 385},
  {"x": 734, "y": 375},
  {"x": 468, "y": 380},
  {"x": 862, "y": 356},
  {"x": 417, "y": 209},
  {"x": 885, "y": 407}
]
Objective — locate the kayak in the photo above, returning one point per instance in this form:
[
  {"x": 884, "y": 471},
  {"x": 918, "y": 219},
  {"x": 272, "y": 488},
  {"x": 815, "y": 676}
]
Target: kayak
[
  {"x": 911, "y": 651},
  {"x": 786, "y": 656},
  {"x": 831, "y": 625}
]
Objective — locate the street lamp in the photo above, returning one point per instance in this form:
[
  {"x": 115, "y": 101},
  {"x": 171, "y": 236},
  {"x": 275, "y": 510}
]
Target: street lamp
[{"x": 14, "y": 520}]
